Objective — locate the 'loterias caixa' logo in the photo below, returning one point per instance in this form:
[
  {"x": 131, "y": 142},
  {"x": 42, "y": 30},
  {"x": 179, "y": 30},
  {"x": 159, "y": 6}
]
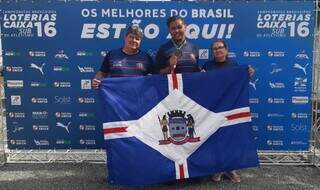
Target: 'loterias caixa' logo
[{"x": 179, "y": 126}]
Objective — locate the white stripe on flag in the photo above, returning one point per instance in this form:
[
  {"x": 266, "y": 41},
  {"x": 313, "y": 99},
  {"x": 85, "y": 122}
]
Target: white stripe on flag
[
  {"x": 170, "y": 83},
  {"x": 180, "y": 82},
  {"x": 236, "y": 116},
  {"x": 119, "y": 129},
  {"x": 181, "y": 170}
]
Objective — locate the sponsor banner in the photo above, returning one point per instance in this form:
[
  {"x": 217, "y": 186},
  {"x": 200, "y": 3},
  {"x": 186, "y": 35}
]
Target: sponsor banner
[{"x": 274, "y": 38}]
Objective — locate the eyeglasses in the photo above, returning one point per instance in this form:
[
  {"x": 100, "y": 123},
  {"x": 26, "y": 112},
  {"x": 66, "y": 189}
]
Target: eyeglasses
[{"x": 217, "y": 48}]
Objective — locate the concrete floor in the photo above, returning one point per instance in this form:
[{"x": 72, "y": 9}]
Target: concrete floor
[{"x": 92, "y": 176}]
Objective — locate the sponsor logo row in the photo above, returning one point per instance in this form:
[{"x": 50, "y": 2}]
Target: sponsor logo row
[
  {"x": 281, "y": 128},
  {"x": 60, "y": 54},
  {"x": 274, "y": 100},
  {"x": 293, "y": 115},
  {"x": 16, "y": 100},
  {"x": 45, "y": 142},
  {"x": 66, "y": 126},
  {"x": 203, "y": 54},
  {"x": 85, "y": 84},
  {"x": 42, "y": 115},
  {"x": 40, "y": 67}
]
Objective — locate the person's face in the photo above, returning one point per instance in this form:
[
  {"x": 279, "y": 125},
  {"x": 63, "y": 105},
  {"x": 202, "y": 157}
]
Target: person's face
[
  {"x": 177, "y": 30},
  {"x": 219, "y": 51},
  {"x": 132, "y": 42}
]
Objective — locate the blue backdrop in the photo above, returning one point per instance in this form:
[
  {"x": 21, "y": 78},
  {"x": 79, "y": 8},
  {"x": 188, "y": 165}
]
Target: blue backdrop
[{"x": 52, "y": 51}]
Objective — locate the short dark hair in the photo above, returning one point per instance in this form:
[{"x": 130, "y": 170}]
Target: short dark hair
[
  {"x": 174, "y": 18},
  {"x": 221, "y": 41},
  {"x": 134, "y": 29}
]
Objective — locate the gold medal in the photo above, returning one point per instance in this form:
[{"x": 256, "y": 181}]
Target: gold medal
[{"x": 178, "y": 53}]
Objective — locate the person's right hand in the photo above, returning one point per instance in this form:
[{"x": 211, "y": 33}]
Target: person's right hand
[
  {"x": 96, "y": 83},
  {"x": 173, "y": 61}
]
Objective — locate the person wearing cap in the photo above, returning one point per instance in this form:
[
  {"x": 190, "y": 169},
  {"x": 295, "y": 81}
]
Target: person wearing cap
[
  {"x": 178, "y": 54},
  {"x": 220, "y": 60},
  {"x": 128, "y": 61}
]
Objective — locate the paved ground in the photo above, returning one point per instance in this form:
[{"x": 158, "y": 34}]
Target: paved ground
[{"x": 92, "y": 176}]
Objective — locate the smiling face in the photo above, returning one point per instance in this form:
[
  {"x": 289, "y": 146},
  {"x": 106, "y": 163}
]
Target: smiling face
[
  {"x": 132, "y": 43},
  {"x": 177, "y": 30},
  {"x": 220, "y": 52}
]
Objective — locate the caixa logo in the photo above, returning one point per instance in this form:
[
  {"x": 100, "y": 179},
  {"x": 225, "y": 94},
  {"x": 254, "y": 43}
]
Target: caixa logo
[
  {"x": 275, "y": 142},
  {"x": 276, "y": 100},
  {"x": 300, "y": 99},
  {"x": 40, "y": 127},
  {"x": 63, "y": 114},
  {"x": 87, "y": 127},
  {"x": 276, "y": 53},
  {"x": 18, "y": 142},
  {"x": 62, "y": 84},
  {"x": 16, "y": 114},
  {"x": 14, "y": 69},
  {"x": 87, "y": 142},
  {"x": 86, "y": 100},
  {"x": 251, "y": 54},
  {"x": 232, "y": 54},
  {"x": 300, "y": 115},
  {"x": 275, "y": 127},
  {"x": 15, "y": 83},
  {"x": 41, "y": 100},
  {"x": 62, "y": 100},
  {"x": 37, "y": 53},
  {"x": 39, "y": 115}
]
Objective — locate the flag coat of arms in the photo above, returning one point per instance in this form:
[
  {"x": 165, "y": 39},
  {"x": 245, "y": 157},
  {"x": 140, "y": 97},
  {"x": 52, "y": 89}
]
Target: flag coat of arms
[{"x": 164, "y": 127}]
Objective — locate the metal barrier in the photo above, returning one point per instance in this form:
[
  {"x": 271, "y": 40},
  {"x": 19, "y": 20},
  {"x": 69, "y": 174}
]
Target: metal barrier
[{"x": 311, "y": 157}]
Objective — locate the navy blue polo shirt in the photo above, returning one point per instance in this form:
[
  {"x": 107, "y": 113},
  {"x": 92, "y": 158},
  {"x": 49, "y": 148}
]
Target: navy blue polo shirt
[
  {"x": 119, "y": 64},
  {"x": 188, "y": 62},
  {"x": 212, "y": 64}
]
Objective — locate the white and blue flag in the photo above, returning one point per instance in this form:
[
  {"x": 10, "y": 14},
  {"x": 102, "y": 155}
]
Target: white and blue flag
[{"x": 164, "y": 127}]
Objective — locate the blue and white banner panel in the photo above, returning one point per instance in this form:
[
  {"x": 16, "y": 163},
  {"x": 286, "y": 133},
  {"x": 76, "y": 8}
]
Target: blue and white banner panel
[{"x": 53, "y": 49}]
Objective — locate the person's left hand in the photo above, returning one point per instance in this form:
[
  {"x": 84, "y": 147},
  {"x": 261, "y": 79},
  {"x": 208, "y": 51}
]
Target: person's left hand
[{"x": 250, "y": 71}]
